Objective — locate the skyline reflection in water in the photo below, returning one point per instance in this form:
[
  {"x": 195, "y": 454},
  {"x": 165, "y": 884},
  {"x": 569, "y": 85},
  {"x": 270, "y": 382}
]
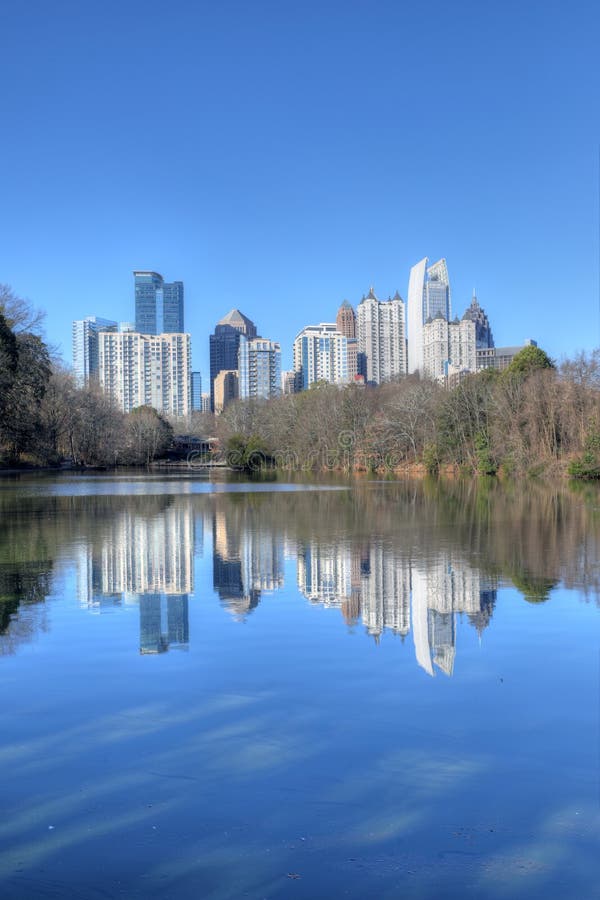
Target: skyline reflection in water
[
  {"x": 392, "y": 558},
  {"x": 229, "y": 694}
]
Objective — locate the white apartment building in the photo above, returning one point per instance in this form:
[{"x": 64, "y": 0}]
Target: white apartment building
[
  {"x": 449, "y": 347},
  {"x": 381, "y": 332},
  {"x": 259, "y": 367},
  {"x": 320, "y": 354},
  {"x": 147, "y": 370}
]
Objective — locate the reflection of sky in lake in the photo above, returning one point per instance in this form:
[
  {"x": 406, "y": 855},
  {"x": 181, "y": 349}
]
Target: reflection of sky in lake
[{"x": 300, "y": 733}]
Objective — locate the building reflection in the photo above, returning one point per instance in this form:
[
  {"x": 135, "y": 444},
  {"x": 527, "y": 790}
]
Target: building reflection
[
  {"x": 374, "y": 583},
  {"x": 147, "y": 561},
  {"x": 247, "y": 562}
]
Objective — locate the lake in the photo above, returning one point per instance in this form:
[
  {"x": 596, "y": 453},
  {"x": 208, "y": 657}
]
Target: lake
[{"x": 365, "y": 689}]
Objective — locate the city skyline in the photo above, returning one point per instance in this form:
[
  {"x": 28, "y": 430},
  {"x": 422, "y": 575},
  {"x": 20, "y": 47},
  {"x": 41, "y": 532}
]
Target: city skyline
[
  {"x": 275, "y": 222},
  {"x": 382, "y": 340}
]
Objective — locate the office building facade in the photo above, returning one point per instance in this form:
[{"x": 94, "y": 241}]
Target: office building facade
[
  {"x": 226, "y": 388},
  {"x": 158, "y": 304},
  {"x": 428, "y": 298},
  {"x": 225, "y": 344},
  {"x": 483, "y": 332},
  {"x": 196, "y": 392}
]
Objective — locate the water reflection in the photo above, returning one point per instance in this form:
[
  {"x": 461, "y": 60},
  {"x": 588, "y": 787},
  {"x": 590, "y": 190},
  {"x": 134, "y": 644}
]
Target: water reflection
[
  {"x": 393, "y": 558},
  {"x": 147, "y": 561},
  {"x": 247, "y": 558}
]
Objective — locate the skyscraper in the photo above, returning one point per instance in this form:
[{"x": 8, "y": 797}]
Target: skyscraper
[
  {"x": 196, "y": 398},
  {"x": 483, "y": 331},
  {"x": 224, "y": 345},
  {"x": 448, "y": 347},
  {"x": 320, "y": 354},
  {"x": 226, "y": 388},
  {"x": 85, "y": 346},
  {"x": 259, "y": 366},
  {"x": 382, "y": 337},
  {"x": 158, "y": 304},
  {"x": 346, "y": 320},
  {"x": 146, "y": 370},
  {"x": 428, "y": 296}
]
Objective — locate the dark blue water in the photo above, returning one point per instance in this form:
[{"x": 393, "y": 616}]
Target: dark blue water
[{"x": 371, "y": 690}]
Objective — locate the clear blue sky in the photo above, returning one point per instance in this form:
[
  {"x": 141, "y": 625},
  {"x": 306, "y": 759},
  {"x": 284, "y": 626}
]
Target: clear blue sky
[{"x": 282, "y": 156}]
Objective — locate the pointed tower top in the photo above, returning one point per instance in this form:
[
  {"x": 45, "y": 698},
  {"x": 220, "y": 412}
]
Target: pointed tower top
[{"x": 371, "y": 294}]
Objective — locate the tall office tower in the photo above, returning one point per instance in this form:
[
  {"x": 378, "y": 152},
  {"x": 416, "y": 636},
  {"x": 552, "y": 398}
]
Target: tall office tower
[
  {"x": 483, "y": 332},
  {"x": 428, "y": 296},
  {"x": 355, "y": 360},
  {"x": 448, "y": 347},
  {"x": 346, "y": 320},
  {"x": 226, "y": 387},
  {"x": 382, "y": 337},
  {"x": 320, "y": 354},
  {"x": 196, "y": 395},
  {"x": 259, "y": 367},
  {"x": 158, "y": 304},
  {"x": 85, "y": 347},
  {"x": 225, "y": 343},
  {"x": 147, "y": 370}
]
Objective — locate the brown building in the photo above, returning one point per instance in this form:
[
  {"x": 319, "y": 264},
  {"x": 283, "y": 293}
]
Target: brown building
[
  {"x": 346, "y": 320},
  {"x": 226, "y": 388}
]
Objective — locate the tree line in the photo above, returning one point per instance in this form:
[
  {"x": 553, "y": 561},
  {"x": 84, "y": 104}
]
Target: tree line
[
  {"x": 533, "y": 418},
  {"x": 46, "y": 418}
]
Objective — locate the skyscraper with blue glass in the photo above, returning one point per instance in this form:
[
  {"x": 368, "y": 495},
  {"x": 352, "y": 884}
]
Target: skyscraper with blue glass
[{"x": 158, "y": 304}]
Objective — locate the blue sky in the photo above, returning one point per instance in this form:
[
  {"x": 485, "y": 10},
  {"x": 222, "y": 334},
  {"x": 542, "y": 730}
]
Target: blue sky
[{"x": 282, "y": 156}]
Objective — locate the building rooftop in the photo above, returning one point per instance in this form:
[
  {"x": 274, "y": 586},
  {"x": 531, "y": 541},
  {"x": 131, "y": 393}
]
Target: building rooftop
[{"x": 236, "y": 319}]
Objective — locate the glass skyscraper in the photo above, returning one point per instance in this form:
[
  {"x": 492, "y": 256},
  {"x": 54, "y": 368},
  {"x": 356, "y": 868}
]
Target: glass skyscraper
[
  {"x": 428, "y": 297},
  {"x": 85, "y": 346},
  {"x": 158, "y": 304},
  {"x": 225, "y": 343}
]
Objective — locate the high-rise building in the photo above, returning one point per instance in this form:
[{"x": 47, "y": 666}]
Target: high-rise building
[
  {"x": 85, "y": 347},
  {"x": 428, "y": 296},
  {"x": 259, "y": 367},
  {"x": 158, "y": 304},
  {"x": 448, "y": 347},
  {"x": 346, "y": 320},
  {"x": 288, "y": 382},
  {"x": 225, "y": 343},
  {"x": 483, "y": 333},
  {"x": 147, "y": 370},
  {"x": 382, "y": 337},
  {"x": 196, "y": 396},
  {"x": 320, "y": 354},
  {"x": 226, "y": 387}
]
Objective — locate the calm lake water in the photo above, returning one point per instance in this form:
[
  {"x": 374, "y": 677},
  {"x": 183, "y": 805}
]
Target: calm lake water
[{"x": 366, "y": 690}]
